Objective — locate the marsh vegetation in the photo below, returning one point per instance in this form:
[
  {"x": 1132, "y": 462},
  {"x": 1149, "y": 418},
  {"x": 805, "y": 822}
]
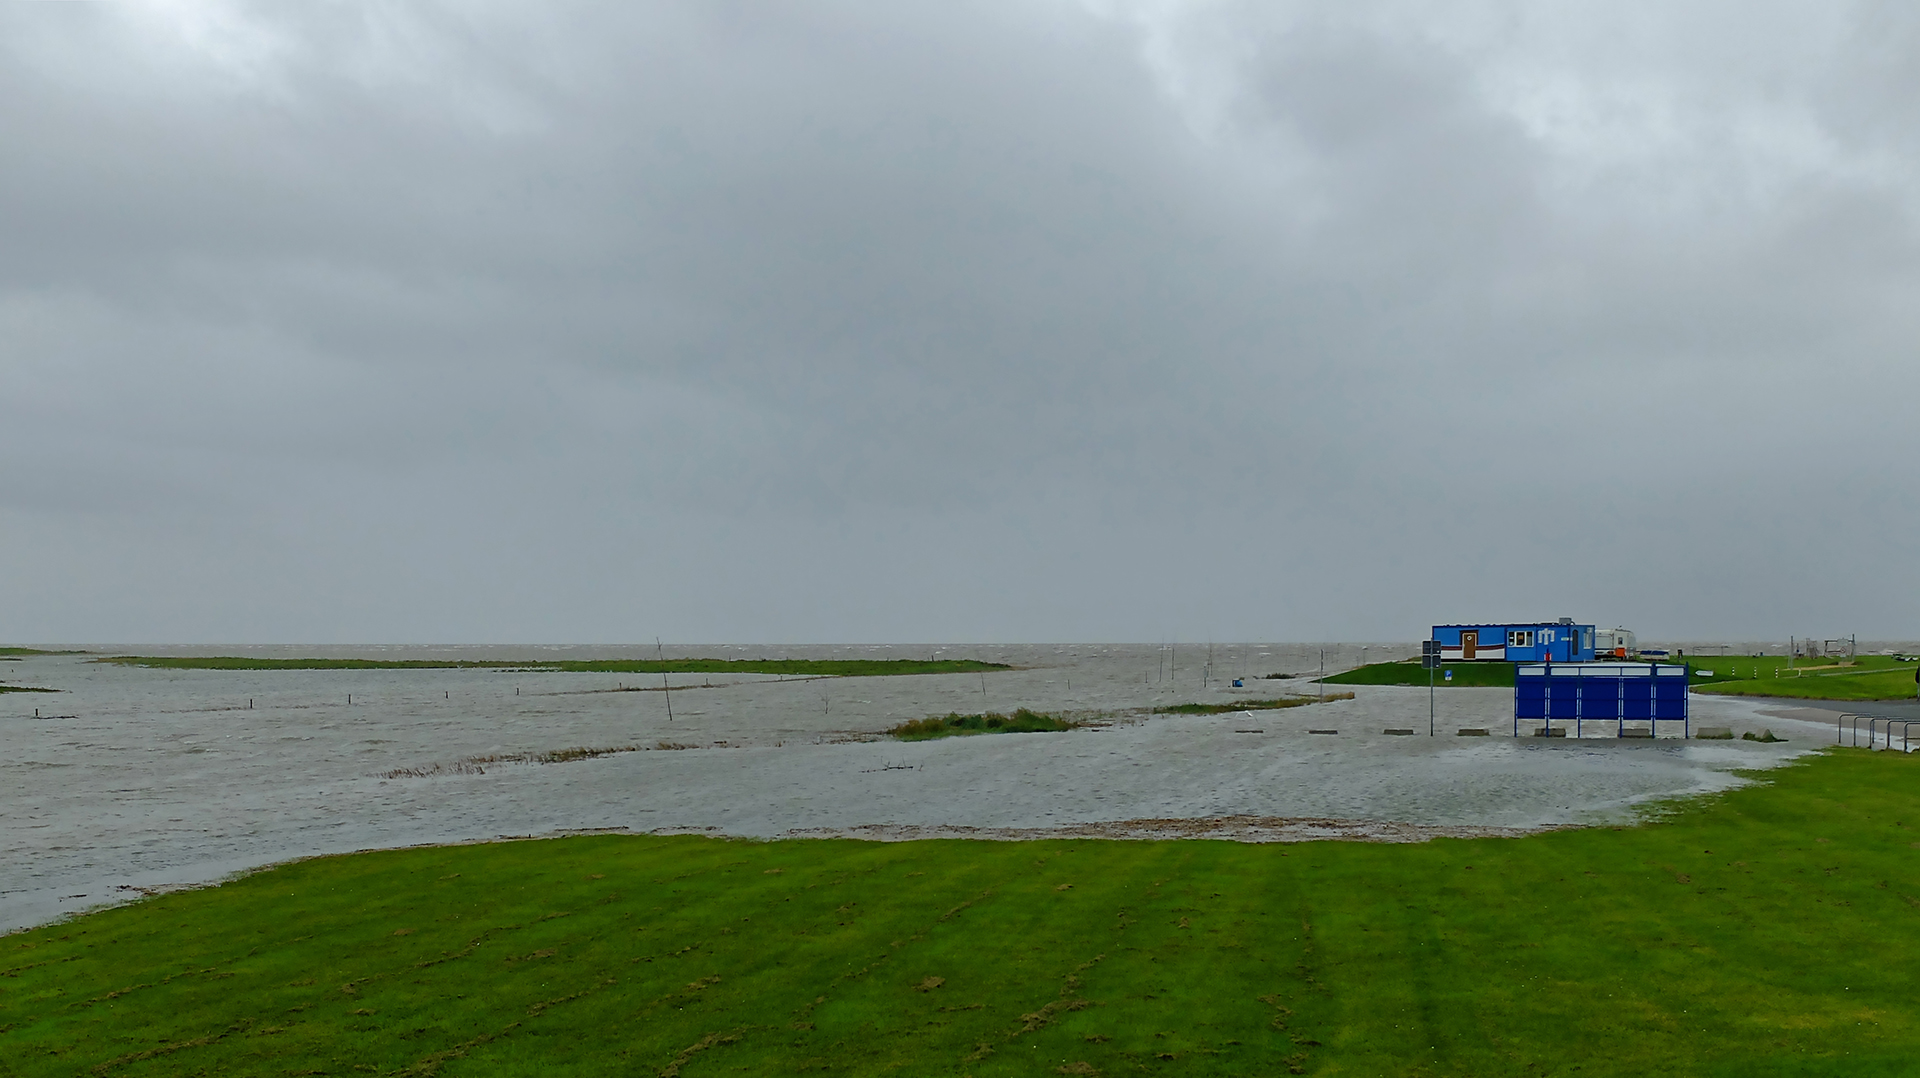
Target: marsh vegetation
[
  {"x": 1236, "y": 706},
  {"x": 1022, "y": 721}
]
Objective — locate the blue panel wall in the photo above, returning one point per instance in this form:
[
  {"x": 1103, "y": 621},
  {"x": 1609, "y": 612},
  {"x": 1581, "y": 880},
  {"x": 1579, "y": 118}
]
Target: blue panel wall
[
  {"x": 1670, "y": 698},
  {"x": 1590, "y": 692},
  {"x": 1530, "y": 698},
  {"x": 1636, "y": 698}
]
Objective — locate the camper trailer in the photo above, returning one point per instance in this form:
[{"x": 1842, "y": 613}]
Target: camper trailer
[{"x": 1614, "y": 644}]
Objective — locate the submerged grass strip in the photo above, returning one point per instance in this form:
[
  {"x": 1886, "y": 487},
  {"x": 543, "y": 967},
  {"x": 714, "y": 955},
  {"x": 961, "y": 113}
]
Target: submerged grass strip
[
  {"x": 1248, "y": 705},
  {"x": 24, "y": 688},
  {"x": 1022, "y": 721},
  {"x": 800, "y": 667},
  {"x": 1764, "y": 931}
]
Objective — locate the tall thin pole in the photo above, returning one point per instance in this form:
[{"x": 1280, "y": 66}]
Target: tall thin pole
[
  {"x": 1432, "y": 661},
  {"x": 664, "y": 687}
]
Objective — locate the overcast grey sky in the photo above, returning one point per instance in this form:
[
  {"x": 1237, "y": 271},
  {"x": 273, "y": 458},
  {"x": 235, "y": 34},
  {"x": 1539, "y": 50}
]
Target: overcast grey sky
[{"x": 591, "y": 322}]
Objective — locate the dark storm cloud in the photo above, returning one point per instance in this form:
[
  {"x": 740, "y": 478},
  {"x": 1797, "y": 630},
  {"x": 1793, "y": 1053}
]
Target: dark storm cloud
[{"x": 1004, "y": 321}]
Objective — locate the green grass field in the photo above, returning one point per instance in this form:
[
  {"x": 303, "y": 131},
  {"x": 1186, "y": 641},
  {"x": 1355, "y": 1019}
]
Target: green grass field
[
  {"x": 793, "y": 667},
  {"x": 1765, "y": 931},
  {"x": 1022, "y": 721},
  {"x": 1410, "y": 672},
  {"x": 1870, "y": 677}
]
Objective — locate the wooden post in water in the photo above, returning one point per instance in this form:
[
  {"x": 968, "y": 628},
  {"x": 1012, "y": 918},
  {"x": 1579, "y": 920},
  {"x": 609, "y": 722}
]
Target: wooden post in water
[{"x": 666, "y": 688}]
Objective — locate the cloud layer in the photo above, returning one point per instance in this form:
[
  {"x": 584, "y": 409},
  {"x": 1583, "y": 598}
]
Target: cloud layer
[{"x": 346, "y": 322}]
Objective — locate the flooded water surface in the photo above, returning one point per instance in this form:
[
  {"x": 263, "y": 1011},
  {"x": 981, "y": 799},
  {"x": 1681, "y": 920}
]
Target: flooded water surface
[{"x": 131, "y": 779}]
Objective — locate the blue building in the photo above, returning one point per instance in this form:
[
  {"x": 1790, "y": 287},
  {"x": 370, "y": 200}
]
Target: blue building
[{"x": 1516, "y": 642}]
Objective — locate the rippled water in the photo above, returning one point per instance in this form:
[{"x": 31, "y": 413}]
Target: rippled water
[{"x": 135, "y": 779}]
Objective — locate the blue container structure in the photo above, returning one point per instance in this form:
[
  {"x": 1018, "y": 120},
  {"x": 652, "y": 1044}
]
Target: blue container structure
[
  {"x": 1516, "y": 642},
  {"x": 1619, "y": 693}
]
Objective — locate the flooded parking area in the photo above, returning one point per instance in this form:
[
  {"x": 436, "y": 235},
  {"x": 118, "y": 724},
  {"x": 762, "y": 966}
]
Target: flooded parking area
[{"x": 130, "y": 780}]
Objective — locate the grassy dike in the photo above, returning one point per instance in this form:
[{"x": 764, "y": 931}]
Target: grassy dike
[
  {"x": 1410, "y": 672},
  {"x": 1766, "y": 931}
]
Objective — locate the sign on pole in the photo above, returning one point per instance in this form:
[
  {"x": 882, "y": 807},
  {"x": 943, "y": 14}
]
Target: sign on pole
[{"x": 1430, "y": 658}]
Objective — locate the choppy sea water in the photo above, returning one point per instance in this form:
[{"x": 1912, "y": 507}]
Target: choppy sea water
[{"x": 130, "y": 780}]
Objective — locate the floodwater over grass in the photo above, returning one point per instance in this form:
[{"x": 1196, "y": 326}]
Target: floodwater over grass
[
  {"x": 132, "y": 779},
  {"x": 1767, "y": 930},
  {"x": 691, "y": 665},
  {"x": 1234, "y": 706}
]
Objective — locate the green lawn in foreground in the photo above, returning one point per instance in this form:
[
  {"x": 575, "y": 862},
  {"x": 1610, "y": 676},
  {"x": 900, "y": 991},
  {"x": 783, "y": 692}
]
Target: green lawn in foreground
[
  {"x": 1766, "y": 931},
  {"x": 797, "y": 667},
  {"x": 1410, "y": 672},
  {"x": 1870, "y": 677}
]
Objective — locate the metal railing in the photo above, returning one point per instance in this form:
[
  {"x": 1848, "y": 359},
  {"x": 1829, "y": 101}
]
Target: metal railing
[
  {"x": 1842, "y": 719},
  {"x": 1906, "y": 729},
  {"x": 1871, "y": 721},
  {"x": 1848, "y": 723}
]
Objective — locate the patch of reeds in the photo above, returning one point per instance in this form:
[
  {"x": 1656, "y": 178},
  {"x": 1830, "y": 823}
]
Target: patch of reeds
[
  {"x": 26, "y": 688},
  {"x": 1022, "y": 721},
  {"x": 477, "y": 765},
  {"x": 1248, "y": 705}
]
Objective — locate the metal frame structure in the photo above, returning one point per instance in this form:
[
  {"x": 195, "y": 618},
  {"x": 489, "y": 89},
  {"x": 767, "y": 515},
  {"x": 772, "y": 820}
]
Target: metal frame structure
[
  {"x": 1618, "y": 692},
  {"x": 1906, "y": 730},
  {"x": 1841, "y": 726}
]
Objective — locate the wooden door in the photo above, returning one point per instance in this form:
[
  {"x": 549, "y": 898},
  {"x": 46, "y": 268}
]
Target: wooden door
[{"x": 1469, "y": 643}]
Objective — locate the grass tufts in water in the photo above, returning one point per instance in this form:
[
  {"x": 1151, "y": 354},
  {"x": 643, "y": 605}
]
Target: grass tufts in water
[
  {"x": 791, "y": 667},
  {"x": 1752, "y": 932},
  {"x": 477, "y": 765},
  {"x": 1247, "y": 705},
  {"x": 1022, "y": 721},
  {"x": 26, "y": 688}
]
